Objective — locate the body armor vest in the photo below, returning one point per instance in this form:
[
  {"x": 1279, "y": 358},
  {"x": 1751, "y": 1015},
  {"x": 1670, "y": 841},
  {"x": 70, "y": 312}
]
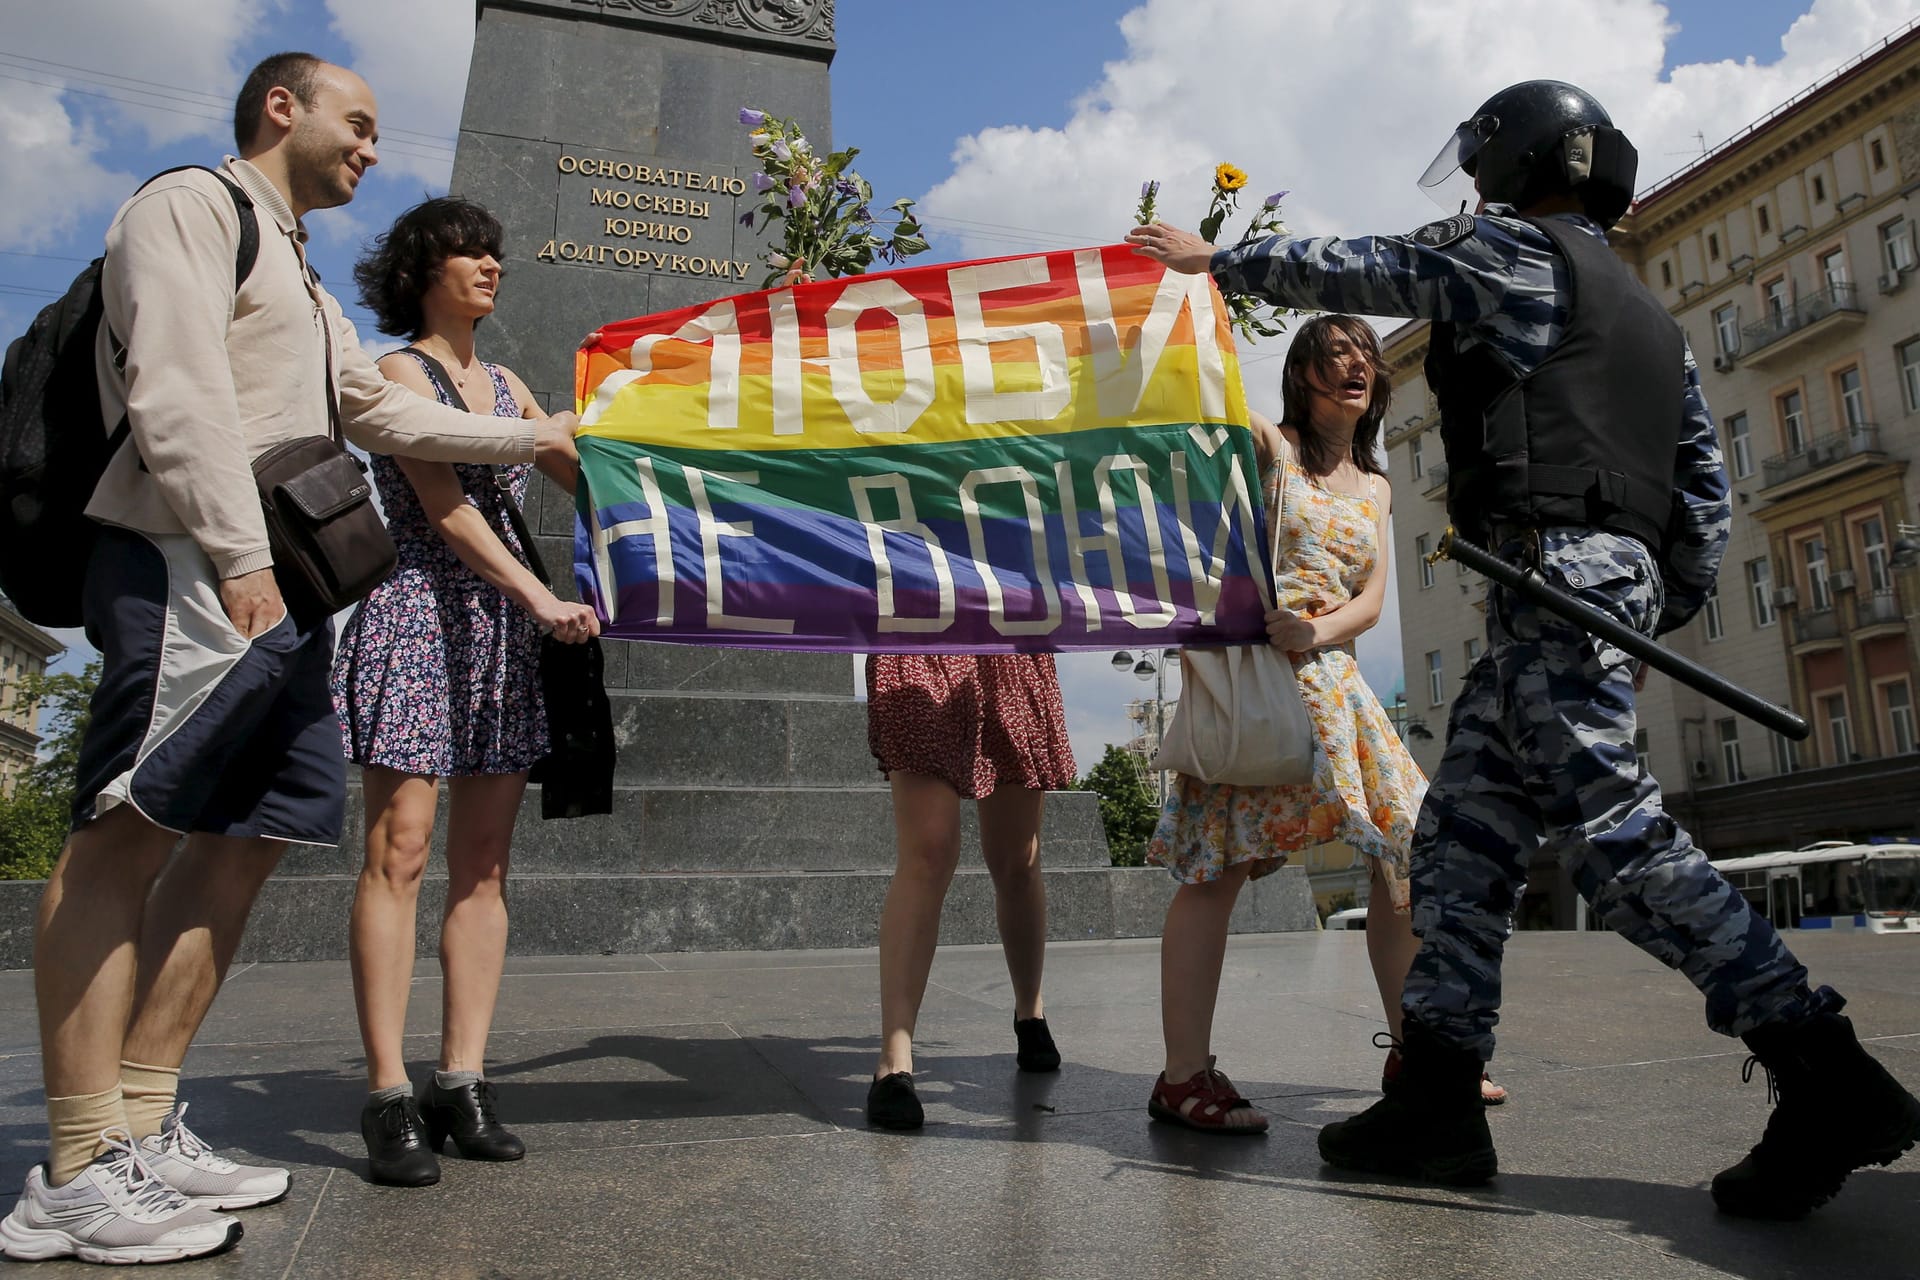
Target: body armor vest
[{"x": 1589, "y": 437}]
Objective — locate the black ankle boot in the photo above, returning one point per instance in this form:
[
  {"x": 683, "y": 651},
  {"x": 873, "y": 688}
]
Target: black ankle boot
[
  {"x": 1431, "y": 1124},
  {"x": 1836, "y": 1110},
  {"x": 1036, "y": 1051},
  {"x": 396, "y": 1137},
  {"x": 465, "y": 1114},
  {"x": 893, "y": 1104}
]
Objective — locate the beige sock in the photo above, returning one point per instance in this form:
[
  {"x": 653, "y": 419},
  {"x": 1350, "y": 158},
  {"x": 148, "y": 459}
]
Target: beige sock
[
  {"x": 75, "y": 1124},
  {"x": 149, "y": 1093}
]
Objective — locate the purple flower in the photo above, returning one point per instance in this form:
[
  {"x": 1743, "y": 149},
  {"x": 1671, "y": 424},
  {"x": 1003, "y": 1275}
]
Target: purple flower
[
  {"x": 796, "y": 196},
  {"x": 1148, "y": 188},
  {"x": 1273, "y": 201},
  {"x": 762, "y": 183},
  {"x": 781, "y": 151},
  {"x": 846, "y": 187},
  {"x": 863, "y": 214},
  {"x": 749, "y": 116},
  {"x": 800, "y": 144}
]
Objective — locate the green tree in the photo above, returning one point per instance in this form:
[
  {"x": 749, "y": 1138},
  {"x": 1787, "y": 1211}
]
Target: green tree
[
  {"x": 33, "y": 820},
  {"x": 1128, "y": 810}
]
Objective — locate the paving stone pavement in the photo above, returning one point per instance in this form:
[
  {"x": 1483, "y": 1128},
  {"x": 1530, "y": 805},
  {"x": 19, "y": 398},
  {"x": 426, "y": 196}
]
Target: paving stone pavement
[{"x": 695, "y": 1115}]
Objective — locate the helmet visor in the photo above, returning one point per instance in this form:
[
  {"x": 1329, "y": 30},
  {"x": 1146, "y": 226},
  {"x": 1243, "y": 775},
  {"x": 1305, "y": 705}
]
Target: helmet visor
[{"x": 1449, "y": 181}]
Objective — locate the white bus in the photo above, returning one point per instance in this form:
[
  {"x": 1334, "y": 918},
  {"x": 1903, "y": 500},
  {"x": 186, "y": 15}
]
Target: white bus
[{"x": 1833, "y": 885}]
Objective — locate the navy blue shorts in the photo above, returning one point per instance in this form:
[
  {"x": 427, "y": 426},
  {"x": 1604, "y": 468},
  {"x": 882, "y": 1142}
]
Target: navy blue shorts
[{"x": 195, "y": 726}]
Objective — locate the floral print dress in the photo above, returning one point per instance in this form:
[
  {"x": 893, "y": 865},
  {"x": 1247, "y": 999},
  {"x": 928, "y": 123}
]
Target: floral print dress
[
  {"x": 1366, "y": 789},
  {"x": 438, "y": 672}
]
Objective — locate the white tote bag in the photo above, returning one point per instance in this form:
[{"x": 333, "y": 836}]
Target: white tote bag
[{"x": 1240, "y": 719}]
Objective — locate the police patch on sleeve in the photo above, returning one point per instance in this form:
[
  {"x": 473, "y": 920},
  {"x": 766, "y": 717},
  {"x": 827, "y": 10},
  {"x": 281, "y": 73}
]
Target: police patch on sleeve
[{"x": 1438, "y": 235}]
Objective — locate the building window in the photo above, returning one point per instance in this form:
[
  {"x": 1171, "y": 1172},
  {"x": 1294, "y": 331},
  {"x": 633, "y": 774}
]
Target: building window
[
  {"x": 1713, "y": 246},
  {"x": 1908, "y": 353},
  {"x": 1853, "y": 396},
  {"x": 1728, "y": 731},
  {"x": 1813, "y": 554},
  {"x": 1764, "y": 218},
  {"x": 1793, "y": 422},
  {"x": 1760, "y": 587},
  {"x": 1413, "y": 455},
  {"x": 1786, "y": 753},
  {"x": 1875, "y": 555},
  {"x": 1422, "y": 546},
  {"x": 1833, "y": 269},
  {"x": 1775, "y": 291},
  {"x": 1710, "y": 614},
  {"x": 1726, "y": 329},
  {"x": 1896, "y": 698},
  {"x": 1436, "y": 681},
  {"x": 1896, "y": 245},
  {"x": 1819, "y": 189},
  {"x": 1473, "y": 650},
  {"x": 1833, "y": 709},
  {"x": 1739, "y": 446},
  {"x": 1877, "y": 153},
  {"x": 1642, "y": 757},
  {"x": 1666, "y": 275}
]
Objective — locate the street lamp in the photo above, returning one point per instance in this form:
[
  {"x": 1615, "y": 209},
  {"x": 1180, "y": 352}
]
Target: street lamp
[{"x": 1147, "y": 668}]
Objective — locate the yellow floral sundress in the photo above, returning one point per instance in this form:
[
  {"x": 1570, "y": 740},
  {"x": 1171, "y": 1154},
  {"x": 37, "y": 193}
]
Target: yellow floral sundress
[{"x": 1366, "y": 789}]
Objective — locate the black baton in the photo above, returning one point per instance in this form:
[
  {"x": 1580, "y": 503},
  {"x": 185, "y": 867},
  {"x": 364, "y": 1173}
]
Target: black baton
[{"x": 1527, "y": 582}]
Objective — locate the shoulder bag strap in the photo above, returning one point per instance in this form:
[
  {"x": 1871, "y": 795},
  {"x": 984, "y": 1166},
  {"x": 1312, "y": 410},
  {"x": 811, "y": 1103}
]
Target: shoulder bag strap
[{"x": 443, "y": 382}]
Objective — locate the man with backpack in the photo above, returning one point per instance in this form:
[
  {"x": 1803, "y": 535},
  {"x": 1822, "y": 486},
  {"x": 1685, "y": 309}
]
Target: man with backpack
[{"x": 212, "y": 720}]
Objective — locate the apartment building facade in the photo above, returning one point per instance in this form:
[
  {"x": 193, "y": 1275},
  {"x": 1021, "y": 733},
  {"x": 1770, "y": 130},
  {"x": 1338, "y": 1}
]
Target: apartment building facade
[
  {"x": 1789, "y": 255},
  {"x": 24, "y": 650}
]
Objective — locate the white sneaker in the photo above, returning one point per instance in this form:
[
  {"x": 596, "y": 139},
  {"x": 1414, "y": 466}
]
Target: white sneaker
[
  {"x": 191, "y": 1167},
  {"x": 116, "y": 1210}
]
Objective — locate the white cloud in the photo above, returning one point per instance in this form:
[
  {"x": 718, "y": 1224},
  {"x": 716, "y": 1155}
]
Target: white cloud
[
  {"x": 418, "y": 70},
  {"x": 167, "y": 76},
  {"x": 1345, "y": 104}
]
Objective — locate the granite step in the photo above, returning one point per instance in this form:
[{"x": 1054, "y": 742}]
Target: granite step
[
  {"x": 701, "y": 829},
  {"x": 728, "y": 740}
]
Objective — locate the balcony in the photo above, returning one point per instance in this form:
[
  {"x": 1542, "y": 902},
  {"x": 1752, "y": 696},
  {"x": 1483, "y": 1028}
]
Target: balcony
[
  {"x": 1435, "y": 481},
  {"x": 1879, "y": 609},
  {"x": 1861, "y": 440},
  {"x": 1813, "y": 317},
  {"x": 1816, "y": 626}
]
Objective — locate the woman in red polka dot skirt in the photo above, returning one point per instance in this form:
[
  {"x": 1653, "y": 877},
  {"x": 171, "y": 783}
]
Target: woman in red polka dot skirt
[{"x": 944, "y": 727}]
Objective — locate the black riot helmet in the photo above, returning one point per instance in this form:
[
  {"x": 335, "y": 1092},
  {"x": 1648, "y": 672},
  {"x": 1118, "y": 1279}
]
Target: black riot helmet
[{"x": 1534, "y": 140}]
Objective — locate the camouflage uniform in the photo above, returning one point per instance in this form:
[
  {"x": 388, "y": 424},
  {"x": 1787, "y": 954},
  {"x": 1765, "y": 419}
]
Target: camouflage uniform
[{"x": 1540, "y": 741}]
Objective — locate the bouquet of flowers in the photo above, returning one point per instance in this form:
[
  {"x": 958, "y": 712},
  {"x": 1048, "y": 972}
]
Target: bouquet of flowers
[
  {"x": 1251, "y": 317},
  {"x": 824, "y": 206}
]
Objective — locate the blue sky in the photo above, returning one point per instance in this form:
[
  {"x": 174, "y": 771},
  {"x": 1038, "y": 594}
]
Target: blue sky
[{"x": 1024, "y": 125}]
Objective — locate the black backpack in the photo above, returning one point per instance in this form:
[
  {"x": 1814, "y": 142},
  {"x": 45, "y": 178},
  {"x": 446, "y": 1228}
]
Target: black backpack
[{"x": 54, "y": 443}]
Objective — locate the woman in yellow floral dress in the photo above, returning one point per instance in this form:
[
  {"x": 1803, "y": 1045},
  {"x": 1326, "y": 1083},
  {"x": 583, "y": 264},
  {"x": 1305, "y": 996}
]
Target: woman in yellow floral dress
[{"x": 1324, "y": 484}]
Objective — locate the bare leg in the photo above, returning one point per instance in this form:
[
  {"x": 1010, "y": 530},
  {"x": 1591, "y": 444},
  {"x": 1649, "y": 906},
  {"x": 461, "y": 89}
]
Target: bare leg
[
  {"x": 1391, "y": 946},
  {"x": 86, "y": 950},
  {"x": 926, "y": 826},
  {"x": 1193, "y": 947},
  {"x": 380, "y": 932},
  {"x": 195, "y": 917},
  {"x": 1010, "y": 843},
  {"x": 473, "y": 936}
]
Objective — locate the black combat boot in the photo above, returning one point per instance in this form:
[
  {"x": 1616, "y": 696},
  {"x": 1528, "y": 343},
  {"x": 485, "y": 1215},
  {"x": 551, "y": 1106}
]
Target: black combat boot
[
  {"x": 1430, "y": 1126},
  {"x": 1836, "y": 1110}
]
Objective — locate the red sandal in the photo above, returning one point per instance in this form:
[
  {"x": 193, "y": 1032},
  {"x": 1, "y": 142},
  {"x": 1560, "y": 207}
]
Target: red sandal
[{"x": 1214, "y": 1098}]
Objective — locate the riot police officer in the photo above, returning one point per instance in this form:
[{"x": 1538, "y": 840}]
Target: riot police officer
[{"x": 1578, "y": 440}]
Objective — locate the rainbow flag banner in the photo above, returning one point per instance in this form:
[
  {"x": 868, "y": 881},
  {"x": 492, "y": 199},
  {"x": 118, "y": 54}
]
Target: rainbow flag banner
[{"x": 1033, "y": 453}]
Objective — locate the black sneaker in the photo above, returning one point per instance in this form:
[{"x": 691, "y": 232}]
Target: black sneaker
[
  {"x": 892, "y": 1103},
  {"x": 1431, "y": 1124},
  {"x": 1036, "y": 1050},
  {"x": 465, "y": 1113},
  {"x": 1836, "y": 1110},
  {"x": 397, "y": 1154}
]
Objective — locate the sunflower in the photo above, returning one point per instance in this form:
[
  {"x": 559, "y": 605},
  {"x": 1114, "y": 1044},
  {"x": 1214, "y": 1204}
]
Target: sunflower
[{"x": 1228, "y": 178}]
